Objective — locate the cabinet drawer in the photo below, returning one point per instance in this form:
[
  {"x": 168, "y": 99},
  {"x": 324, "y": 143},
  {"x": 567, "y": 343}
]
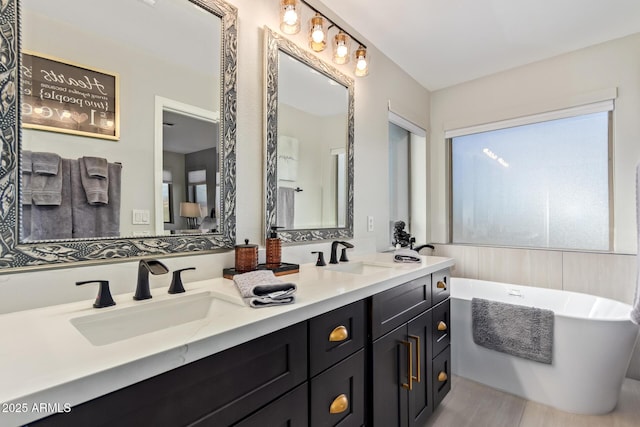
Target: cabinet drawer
[
  {"x": 340, "y": 390},
  {"x": 391, "y": 308},
  {"x": 441, "y": 323},
  {"x": 441, "y": 376},
  {"x": 290, "y": 410},
  {"x": 440, "y": 286},
  {"x": 335, "y": 335},
  {"x": 215, "y": 391}
]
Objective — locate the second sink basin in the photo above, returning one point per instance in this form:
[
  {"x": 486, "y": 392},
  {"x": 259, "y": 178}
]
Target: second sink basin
[
  {"x": 359, "y": 267},
  {"x": 119, "y": 324}
]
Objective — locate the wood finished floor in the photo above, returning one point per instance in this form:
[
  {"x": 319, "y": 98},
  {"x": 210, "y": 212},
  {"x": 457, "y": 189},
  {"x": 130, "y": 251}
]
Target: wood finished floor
[{"x": 470, "y": 404}]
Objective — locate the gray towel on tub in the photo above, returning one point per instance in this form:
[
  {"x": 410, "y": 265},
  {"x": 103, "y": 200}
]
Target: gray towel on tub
[
  {"x": 52, "y": 221},
  {"x": 95, "y": 220},
  {"x": 46, "y": 179},
  {"x": 261, "y": 288},
  {"x": 94, "y": 174},
  {"x": 517, "y": 330}
]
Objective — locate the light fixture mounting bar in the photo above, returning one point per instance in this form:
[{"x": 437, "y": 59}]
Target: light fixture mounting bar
[{"x": 333, "y": 24}]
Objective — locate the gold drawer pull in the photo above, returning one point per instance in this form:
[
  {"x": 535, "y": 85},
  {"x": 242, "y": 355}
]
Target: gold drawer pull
[
  {"x": 408, "y": 386},
  {"x": 340, "y": 333},
  {"x": 417, "y": 338},
  {"x": 339, "y": 404},
  {"x": 442, "y": 376},
  {"x": 442, "y": 326},
  {"x": 441, "y": 285}
]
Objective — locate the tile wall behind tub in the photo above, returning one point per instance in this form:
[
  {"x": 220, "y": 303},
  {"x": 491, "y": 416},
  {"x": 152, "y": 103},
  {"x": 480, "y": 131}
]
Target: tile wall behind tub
[{"x": 606, "y": 275}]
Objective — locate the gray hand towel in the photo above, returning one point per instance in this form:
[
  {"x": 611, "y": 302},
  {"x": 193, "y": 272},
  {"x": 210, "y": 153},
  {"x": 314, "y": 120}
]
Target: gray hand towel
[
  {"x": 261, "y": 288},
  {"x": 95, "y": 220},
  {"x": 52, "y": 221},
  {"x": 46, "y": 181},
  {"x": 97, "y": 167},
  {"x": 45, "y": 163},
  {"x": 96, "y": 186},
  {"x": 406, "y": 255}
]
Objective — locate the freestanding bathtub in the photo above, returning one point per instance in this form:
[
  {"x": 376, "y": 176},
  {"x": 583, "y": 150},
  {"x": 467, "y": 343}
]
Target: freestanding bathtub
[{"x": 592, "y": 346}]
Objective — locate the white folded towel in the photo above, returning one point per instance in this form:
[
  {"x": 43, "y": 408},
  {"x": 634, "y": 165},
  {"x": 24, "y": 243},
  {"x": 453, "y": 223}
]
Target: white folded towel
[
  {"x": 261, "y": 288},
  {"x": 406, "y": 255}
]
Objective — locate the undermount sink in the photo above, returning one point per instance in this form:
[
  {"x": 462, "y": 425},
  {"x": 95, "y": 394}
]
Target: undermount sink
[
  {"x": 359, "y": 267},
  {"x": 119, "y": 324}
]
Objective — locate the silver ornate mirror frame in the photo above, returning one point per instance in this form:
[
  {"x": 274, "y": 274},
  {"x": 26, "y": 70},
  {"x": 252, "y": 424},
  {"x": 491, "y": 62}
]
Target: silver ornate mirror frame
[
  {"x": 275, "y": 43},
  {"x": 14, "y": 254}
]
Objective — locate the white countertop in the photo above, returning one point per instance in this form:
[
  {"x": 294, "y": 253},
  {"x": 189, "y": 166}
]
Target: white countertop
[{"x": 47, "y": 365}]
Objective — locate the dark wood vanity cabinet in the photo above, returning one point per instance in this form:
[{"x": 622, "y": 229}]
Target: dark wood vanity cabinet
[
  {"x": 383, "y": 361},
  {"x": 410, "y": 364}
]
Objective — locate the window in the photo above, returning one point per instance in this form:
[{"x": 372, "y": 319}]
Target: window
[
  {"x": 542, "y": 184},
  {"x": 167, "y": 196}
]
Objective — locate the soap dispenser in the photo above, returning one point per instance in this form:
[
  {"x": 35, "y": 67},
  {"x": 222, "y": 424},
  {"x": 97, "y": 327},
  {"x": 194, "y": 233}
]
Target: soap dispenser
[{"x": 274, "y": 248}]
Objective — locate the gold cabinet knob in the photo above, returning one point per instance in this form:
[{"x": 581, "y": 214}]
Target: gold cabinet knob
[
  {"x": 442, "y": 326},
  {"x": 340, "y": 333},
  {"x": 339, "y": 404},
  {"x": 442, "y": 376},
  {"x": 441, "y": 285}
]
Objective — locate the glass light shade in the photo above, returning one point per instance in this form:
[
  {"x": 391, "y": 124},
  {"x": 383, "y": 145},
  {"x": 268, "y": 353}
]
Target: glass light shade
[
  {"x": 317, "y": 34},
  {"x": 362, "y": 64},
  {"x": 289, "y": 17},
  {"x": 341, "y": 48}
]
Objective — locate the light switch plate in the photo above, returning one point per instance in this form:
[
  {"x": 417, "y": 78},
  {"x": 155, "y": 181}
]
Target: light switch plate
[
  {"x": 140, "y": 217},
  {"x": 369, "y": 223}
]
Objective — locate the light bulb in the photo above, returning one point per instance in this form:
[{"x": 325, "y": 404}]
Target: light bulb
[
  {"x": 361, "y": 64},
  {"x": 317, "y": 35},
  {"x": 290, "y": 15},
  {"x": 341, "y": 50}
]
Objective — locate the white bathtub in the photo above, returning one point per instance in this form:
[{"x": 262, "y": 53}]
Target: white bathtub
[{"x": 592, "y": 346}]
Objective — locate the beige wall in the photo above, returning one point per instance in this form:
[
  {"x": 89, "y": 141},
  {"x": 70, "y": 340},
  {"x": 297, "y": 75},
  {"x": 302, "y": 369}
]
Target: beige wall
[{"x": 386, "y": 83}]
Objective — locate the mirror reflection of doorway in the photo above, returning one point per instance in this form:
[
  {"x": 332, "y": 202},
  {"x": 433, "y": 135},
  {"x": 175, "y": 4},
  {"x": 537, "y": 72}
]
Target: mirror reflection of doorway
[
  {"x": 407, "y": 179},
  {"x": 189, "y": 190}
]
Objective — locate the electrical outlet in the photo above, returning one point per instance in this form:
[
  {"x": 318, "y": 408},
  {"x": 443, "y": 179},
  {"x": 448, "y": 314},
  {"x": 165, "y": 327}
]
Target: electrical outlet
[{"x": 369, "y": 223}]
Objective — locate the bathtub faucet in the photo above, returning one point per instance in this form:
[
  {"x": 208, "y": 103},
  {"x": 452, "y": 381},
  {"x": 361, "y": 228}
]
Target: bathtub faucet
[{"x": 334, "y": 251}]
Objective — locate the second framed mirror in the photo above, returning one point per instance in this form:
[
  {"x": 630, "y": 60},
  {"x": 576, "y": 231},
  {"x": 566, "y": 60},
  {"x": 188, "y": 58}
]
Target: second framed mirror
[{"x": 309, "y": 108}]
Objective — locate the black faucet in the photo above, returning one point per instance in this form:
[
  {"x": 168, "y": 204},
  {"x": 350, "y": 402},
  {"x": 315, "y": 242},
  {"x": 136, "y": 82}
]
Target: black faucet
[
  {"x": 334, "y": 251},
  {"x": 144, "y": 268}
]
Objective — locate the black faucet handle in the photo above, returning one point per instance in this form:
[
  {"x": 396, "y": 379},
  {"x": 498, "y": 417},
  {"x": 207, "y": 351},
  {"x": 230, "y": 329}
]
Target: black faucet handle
[
  {"x": 176, "y": 286},
  {"x": 343, "y": 255},
  {"x": 347, "y": 245},
  {"x": 104, "y": 298},
  {"x": 320, "y": 262}
]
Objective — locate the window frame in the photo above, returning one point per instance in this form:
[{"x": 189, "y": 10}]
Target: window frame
[{"x": 602, "y": 106}]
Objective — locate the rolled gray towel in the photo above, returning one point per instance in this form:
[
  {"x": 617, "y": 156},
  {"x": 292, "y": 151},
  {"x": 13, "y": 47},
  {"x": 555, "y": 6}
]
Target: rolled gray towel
[
  {"x": 261, "y": 288},
  {"x": 406, "y": 255}
]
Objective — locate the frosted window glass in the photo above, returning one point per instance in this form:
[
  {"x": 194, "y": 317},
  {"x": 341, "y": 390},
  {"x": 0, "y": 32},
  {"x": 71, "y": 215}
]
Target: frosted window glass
[{"x": 540, "y": 185}]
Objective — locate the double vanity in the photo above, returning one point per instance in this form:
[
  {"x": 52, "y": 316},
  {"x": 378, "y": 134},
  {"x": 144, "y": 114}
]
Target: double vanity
[{"x": 374, "y": 332}]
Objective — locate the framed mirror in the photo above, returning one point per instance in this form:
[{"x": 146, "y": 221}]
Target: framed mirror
[
  {"x": 309, "y": 134},
  {"x": 82, "y": 169}
]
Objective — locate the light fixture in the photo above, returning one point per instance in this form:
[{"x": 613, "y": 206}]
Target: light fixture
[
  {"x": 190, "y": 211},
  {"x": 362, "y": 65},
  {"x": 289, "y": 17},
  {"x": 341, "y": 48},
  {"x": 321, "y": 34},
  {"x": 317, "y": 33}
]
